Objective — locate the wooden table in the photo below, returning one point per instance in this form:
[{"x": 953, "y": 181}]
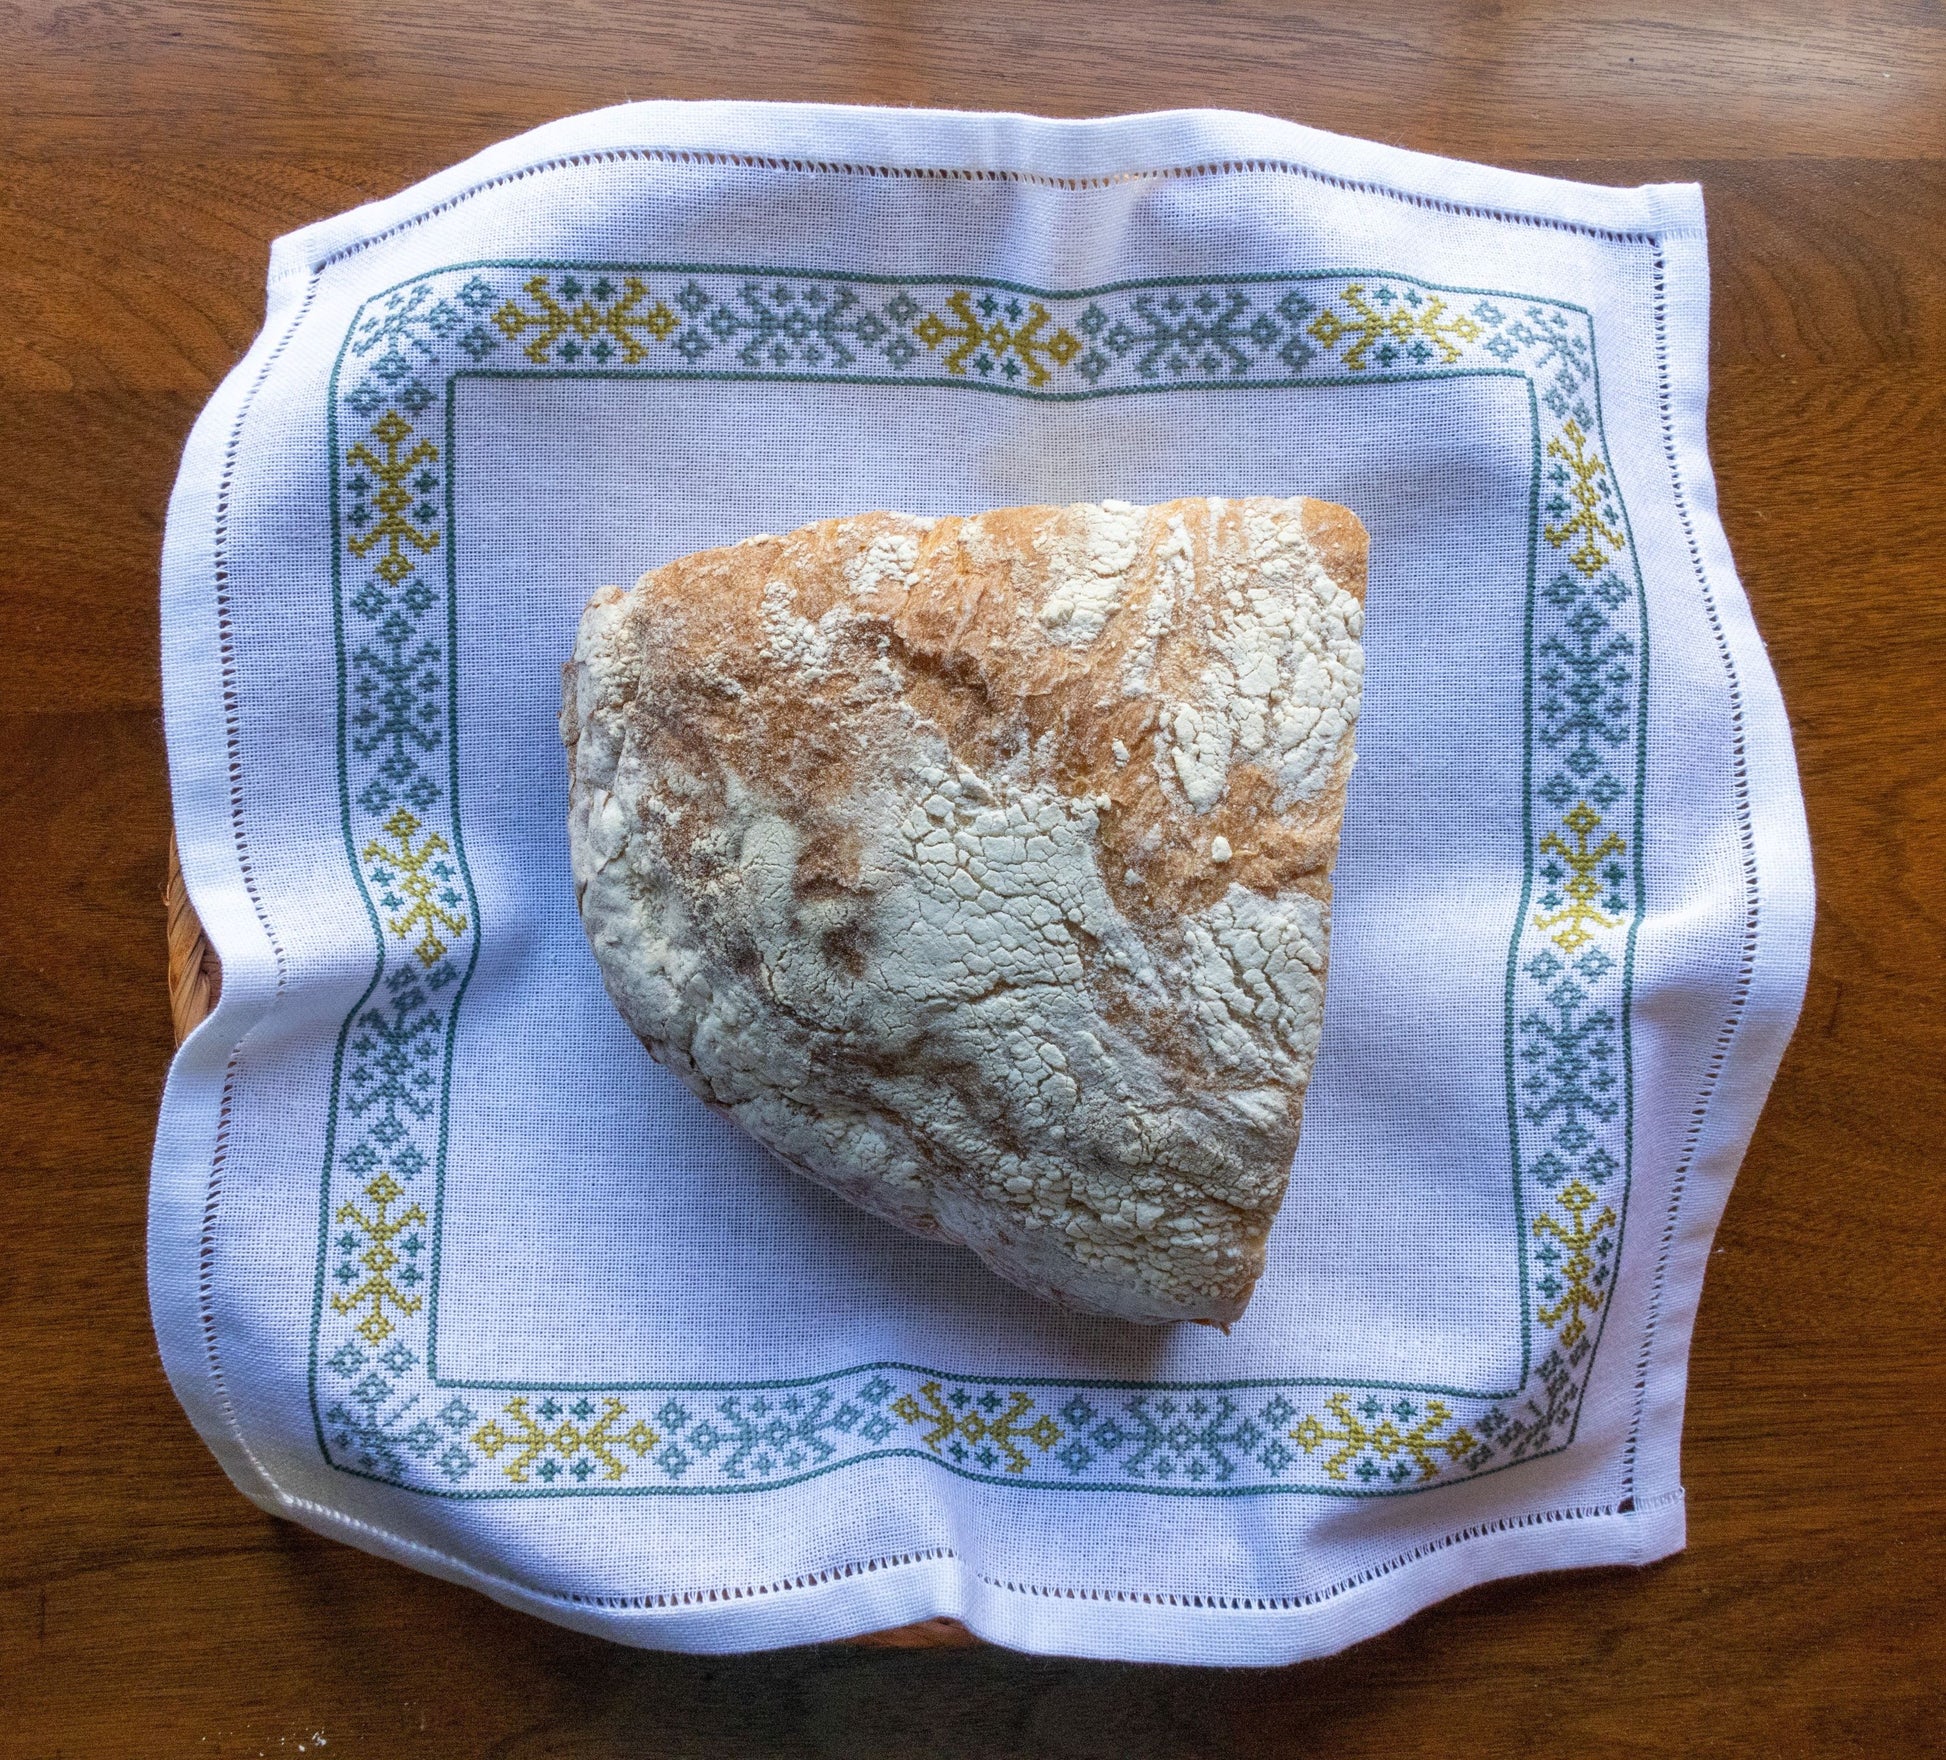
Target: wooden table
[{"x": 151, "y": 152}]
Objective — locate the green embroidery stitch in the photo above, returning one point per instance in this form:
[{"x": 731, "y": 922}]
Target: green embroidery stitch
[
  {"x": 1587, "y": 512},
  {"x": 378, "y": 1233},
  {"x": 380, "y": 1409},
  {"x": 577, "y": 1449},
  {"x": 595, "y": 324},
  {"x": 988, "y": 1419},
  {"x": 418, "y": 884},
  {"x": 1585, "y": 879},
  {"x": 1370, "y": 1437},
  {"x": 406, "y": 478},
  {"x": 1573, "y": 1287}
]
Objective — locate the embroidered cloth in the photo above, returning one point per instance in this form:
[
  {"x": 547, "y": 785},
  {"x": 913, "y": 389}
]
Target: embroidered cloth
[{"x": 444, "y": 1266}]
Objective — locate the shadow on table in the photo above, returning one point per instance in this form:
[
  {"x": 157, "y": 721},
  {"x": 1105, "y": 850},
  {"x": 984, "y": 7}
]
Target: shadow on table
[{"x": 983, "y": 1703}]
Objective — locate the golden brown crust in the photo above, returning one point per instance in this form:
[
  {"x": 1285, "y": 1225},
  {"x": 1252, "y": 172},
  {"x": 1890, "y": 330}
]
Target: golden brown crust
[{"x": 1174, "y": 685}]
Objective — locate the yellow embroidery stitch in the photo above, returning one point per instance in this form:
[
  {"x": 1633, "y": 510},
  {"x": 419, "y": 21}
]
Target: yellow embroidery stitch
[
  {"x": 1583, "y": 885},
  {"x": 1578, "y": 1296},
  {"x": 1411, "y": 327},
  {"x": 417, "y": 875},
  {"x": 395, "y": 496},
  {"x": 379, "y": 1258},
  {"x": 970, "y": 331},
  {"x": 1004, "y": 1431},
  {"x": 532, "y": 1439},
  {"x": 598, "y": 324},
  {"x": 1357, "y": 1435},
  {"x": 1586, "y": 481}
]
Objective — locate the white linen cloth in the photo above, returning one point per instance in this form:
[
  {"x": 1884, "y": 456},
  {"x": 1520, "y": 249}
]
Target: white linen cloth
[{"x": 444, "y": 1266}]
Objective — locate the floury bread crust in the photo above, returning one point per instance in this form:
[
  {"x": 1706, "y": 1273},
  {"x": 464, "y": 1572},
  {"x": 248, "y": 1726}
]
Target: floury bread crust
[{"x": 980, "y": 867}]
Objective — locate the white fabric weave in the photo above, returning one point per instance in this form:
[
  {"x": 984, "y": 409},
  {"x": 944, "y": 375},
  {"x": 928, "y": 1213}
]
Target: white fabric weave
[{"x": 443, "y": 1265}]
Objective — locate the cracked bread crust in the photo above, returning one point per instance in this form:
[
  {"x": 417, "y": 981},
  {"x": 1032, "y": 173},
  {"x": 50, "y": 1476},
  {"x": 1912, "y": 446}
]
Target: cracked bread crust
[{"x": 980, "y": 867}]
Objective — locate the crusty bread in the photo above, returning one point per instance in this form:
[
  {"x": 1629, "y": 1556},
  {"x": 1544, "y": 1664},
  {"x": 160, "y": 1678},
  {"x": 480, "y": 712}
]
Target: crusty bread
[{"x": 980, "y": 867}]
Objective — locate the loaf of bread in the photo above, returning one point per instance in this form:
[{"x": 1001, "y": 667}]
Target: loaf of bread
[{"x": 980, "y": 867}]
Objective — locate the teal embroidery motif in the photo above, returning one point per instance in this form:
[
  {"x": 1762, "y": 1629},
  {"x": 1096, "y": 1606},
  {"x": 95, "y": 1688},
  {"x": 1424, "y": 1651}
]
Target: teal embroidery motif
[{"x": 382, "y": 1411}]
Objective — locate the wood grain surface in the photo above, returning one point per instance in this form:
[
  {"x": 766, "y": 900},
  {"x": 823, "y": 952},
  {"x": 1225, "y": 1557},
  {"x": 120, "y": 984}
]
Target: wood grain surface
[{"x": 151, "y": 151}]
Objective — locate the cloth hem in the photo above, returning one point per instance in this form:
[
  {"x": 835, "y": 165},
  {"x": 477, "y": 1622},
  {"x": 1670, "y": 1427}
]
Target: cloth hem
[
  {"x": 854, "y": 1599},
  {"x": 192, "y": 1127},
  {"x": 888, "y": 142},
  {"x": 1780, "y": 890}
]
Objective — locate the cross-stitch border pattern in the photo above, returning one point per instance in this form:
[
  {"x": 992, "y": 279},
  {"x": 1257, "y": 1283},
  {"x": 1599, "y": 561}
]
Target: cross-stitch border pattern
[{"x": 380, "y": 1410}]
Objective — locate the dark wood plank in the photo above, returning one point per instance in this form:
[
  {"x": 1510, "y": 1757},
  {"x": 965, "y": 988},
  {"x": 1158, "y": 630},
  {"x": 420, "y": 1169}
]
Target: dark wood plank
[
  {"x": 152, "y": 150},
  {"x": 1590, "y": 79}
]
